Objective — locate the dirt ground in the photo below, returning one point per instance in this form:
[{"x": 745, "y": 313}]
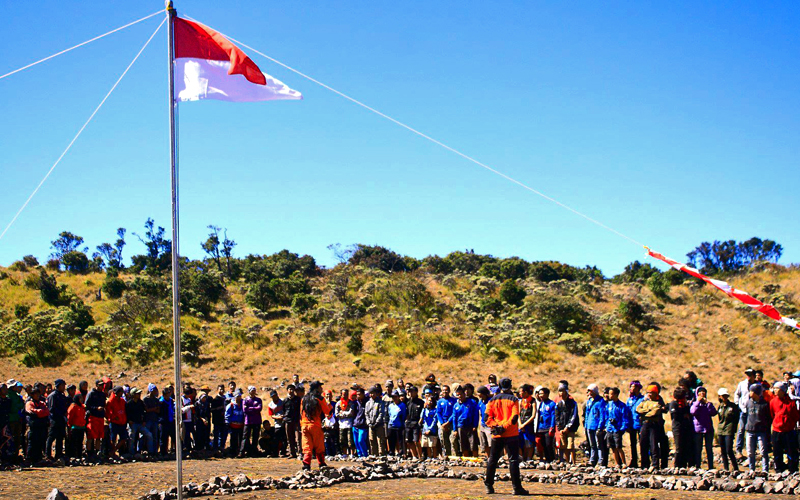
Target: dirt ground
[{"x": 130, "y": 481}]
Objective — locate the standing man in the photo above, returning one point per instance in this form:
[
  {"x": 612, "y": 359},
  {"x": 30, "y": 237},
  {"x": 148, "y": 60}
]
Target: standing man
[
  {"x": 651, "y": 415},
  {"x": 635, "y": 398},
  {"x": 784, "y": 421},
  {"x": 276, "y": 409},
  {"x": 314, "y": 407},
  {"x": 58, "y": 403},
  {"x": 465, "y": 421},
  {"x": 251, "y": 407},
  {"x": 135, "y": 411},
  {"x": 118, "y": 421},
  {"x": 15, "y": 422},
  {"x": 444, "y": 410},
  {"x": 220, "y": 432},
  {"x": 413, "y": 429},
  {"x": 95, "y": 421},
  {"x": 502, "y": 415},
  {"x": 345, "y": 414},
  {"x": 152, "y": 408},
  {"x": 592, "y": 416},
  {"x": 567, "y": 422},
  {"x": 740, "y": 397},
  {"x": 375, "y": 411},
  {"x": 166, "y": 420},
  {"x": 546, "y": 425},
  {"x": 618, "y": 422},
  {"x": 291, "y": 419}
]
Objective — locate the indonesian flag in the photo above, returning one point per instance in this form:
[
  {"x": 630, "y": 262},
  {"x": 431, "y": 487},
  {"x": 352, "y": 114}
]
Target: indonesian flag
[
  {"x": 730, "y": 291},
  {"x": 208, "y": 66}
]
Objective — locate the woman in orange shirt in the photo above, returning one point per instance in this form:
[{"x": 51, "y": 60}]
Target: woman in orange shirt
[
  {"x": 76, "y": 427},
  {"x": 312, "y": 410}
]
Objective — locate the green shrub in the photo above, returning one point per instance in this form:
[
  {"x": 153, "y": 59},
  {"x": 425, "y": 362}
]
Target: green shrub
[
  {"x": 18, "y": 266},
  {"x": 303, "y": 302},
  {"x": 42, "y": 337},
  {"x": 21, "y": 310},
  {"x": 561, "y": 313},
  {"x": 355, "y": 344},
  {"x": 512, "y": 293},
  {"x": 75, "y": 262},
  {"x": 491, "y": 305},
  {"x": 50, "y": 291},
  {"x": 576, "y": 343},
  {"x": 659, "y": 284},
  {"x": 113, "y": 286},
  {"x": 616, "y": 356}
]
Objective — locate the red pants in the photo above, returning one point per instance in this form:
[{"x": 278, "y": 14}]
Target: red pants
[{"x": 313, "y": 445}]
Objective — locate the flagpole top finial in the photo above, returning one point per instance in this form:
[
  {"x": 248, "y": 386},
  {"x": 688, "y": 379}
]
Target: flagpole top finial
[{"x": 168, "y": 4}]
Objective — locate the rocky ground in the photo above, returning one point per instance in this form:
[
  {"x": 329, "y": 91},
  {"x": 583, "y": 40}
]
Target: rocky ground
[{"x": 281, "y": 478}]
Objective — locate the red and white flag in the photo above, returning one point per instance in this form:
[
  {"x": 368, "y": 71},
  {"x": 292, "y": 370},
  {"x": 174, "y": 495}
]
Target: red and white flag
[
  {"x": 209, "y": 66},
  {"x": 732, "y": 292}
]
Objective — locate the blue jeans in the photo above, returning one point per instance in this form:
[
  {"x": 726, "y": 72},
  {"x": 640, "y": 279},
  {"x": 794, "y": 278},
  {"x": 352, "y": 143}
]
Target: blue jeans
[
  {"x": 761, "y": 439},
  {"x": 740, "y": 431},
  {"x": 220, "y": 437},
  {"x": 140, "y": 431},
  {"x": 152, "y": 427},
  {"x": 361, "y": 440},
  {"x": 595, "y": 455}
]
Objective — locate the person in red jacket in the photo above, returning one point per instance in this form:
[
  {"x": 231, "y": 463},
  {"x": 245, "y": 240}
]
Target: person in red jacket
[
  {"x": 313, "y": 409},
  {"x": 76, "y": 427},
  {"x": 502, "y": 417},
  {"x": 38, "y": 421},
  {"x": 118, "y": 420},
  {"x": 784, "y": 422}
]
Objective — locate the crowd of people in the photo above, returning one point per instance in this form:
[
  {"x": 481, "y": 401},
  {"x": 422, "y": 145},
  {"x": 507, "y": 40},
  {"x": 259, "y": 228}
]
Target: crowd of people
[{"x": 46, "y": 423}]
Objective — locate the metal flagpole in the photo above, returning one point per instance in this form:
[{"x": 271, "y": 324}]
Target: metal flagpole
[{"x": 176, "y": 306}]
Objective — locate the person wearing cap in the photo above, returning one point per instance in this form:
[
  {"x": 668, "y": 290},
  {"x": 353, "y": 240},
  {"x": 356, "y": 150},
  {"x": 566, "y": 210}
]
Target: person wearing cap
[
  {"x": 682, "y": 428},
  {"x": 118, "y": 420},
  {"x": 313, "y": 410},
  {"x": 432, "y": 386},
  {"x": 234, "y": 419},
  {"x": 758, "y": 424},
  {"x": 635, "y": 398},
  {"x": 741, "y": 396},
  {"x": 95, "y": 422},
  {"x": 38, "y": 421},
  {"x": 276, "y": 410},
  {"x": 651, "y": 415},
  {"x": 15, "y": 422},
  {"x": 58, "y": 404},
  {"x": 785, "y": 416},
  {"x": 728, "y": 415},
  {"x": 444, "y": 409},
  {"x": 152, "y": 407},
  {"x": 375, "y": 411},
  {"x": 567, "y": 422},
  {"x": 502, "y": 416},
  {"x": 702, "y": 411},
  {"x": 593, "y": 412},
  {"x": 252, "y": 407},
  {"x": 345, "y": 413},
  {"x": 166, "y": 420},
  {"x": 396, "y": 413},
  {"x": 135, "y": 411}
]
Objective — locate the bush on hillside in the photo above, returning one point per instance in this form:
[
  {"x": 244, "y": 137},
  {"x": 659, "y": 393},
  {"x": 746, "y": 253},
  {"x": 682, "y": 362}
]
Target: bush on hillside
[
  {"x": 659, "y": 284},
  {"x": 512, "y": 293},
  {"x": 76, "y": 262},
  {"x": 41, "y": 337},
  {"x": 615, "y": 355},
  {"x": 564, "y": 314},
  {"x": 113, "y": 286}
]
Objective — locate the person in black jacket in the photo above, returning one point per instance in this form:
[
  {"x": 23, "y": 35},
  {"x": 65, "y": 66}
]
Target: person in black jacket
[
  {"x": 682, "y": 428},
  {"x": 202, "y": 425},
  {"x": 217, "y": 409},
  {"x": 95, "y": 418},
  {"x": 567, "y": 422},
  {"x": 413, "y": 429},
  {"x": 58, "y": 403}
]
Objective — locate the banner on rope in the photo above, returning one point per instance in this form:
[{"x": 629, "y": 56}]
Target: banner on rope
[{"x": 730, "y": 291}]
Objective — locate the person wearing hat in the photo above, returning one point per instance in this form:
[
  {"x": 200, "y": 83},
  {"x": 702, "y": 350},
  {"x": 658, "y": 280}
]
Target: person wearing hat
[
  {"x": 166, "y": 420},
  {"x": 502, "y": 416},
  {"x": 15, "y": 422},
  {"x": 702, "y": 411},
  {"x": 741, "y": 396},
  {"x": 58, "y": 404},
  {"x": 96, "y": 415},
  {"x": 38, "y": 421},
  {"x": 728, "y": 415},
  {"x": 593, "y": 412},
  {"x": 234, "y": 419},
  {"x": 757, "y": 427},
  {"x": 444, "y": 409},
  {"x": 651, "y": 415},
  {"x": 152, "y": 407},
  {"x": 141, "y": 437},
  {"x": 567, "y": 422},
  {"x": 396, "y": 413},
  {"x": 784, "y": 424},
  {"x": 375, "y": 411},
  {"x": 313, "y": 410}
]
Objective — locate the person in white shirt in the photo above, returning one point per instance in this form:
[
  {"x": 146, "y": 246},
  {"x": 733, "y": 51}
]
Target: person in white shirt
[{"x": 741, "y": 397}]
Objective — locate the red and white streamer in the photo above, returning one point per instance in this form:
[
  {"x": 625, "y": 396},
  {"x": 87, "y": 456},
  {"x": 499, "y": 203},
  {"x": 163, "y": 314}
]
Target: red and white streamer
[{"x": 730, "y": 291}]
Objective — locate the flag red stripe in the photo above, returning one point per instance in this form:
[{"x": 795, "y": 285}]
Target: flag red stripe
[
  {"x": 730, "y": 291},
  {"x": 201, "y": 42}
]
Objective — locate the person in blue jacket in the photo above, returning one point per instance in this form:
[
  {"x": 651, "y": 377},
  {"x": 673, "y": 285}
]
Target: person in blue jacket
[
  {"x": 234, "y": 419},
  {"x": 546, "y": 425},
  {"x": 396, "y": 412},
  {"x": 618, "y": 421},
  {"x": 592, "y": 418},
  {"x": 444, "y": 410},
  {"x": 465, "y": 420},
  {"x": 635, "y": 398}
]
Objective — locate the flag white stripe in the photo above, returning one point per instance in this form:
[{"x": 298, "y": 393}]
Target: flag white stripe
[{"x": 197, "y": 79}]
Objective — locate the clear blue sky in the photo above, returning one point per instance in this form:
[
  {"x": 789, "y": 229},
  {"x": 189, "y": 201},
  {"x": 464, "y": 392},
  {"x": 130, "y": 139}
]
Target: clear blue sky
[{"x": 673, "y": 122}]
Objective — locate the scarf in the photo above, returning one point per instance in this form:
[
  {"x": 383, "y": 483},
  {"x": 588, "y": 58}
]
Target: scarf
[{"x": 345, "y": 402}]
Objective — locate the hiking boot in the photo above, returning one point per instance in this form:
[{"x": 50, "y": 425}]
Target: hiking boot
[
  {"x": 489, "y": 489},
  {"x": 306, "y": 466},
  {"x": 521, "y": 492}
]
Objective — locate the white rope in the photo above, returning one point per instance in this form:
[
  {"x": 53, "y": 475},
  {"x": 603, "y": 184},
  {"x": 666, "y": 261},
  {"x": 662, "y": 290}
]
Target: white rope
[
  {"x": 81, "y": 44},
  {"x": 81, "y": 130},
  {"x": 431, "y": 139}
]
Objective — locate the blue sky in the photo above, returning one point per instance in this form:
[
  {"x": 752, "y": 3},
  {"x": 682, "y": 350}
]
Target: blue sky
[{"x": 673, "y": 123}]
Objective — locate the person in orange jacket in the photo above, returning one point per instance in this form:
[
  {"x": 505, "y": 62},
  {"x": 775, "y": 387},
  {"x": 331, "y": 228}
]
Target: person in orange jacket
[
  {"x": 313, "y": 409},
  {"x": 76, "y": 426},
  {"x": 118, "y": 420},
  {"x": 502, "y": 417}
]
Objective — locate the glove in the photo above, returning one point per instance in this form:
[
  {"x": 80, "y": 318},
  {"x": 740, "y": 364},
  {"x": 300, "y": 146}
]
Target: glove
[{"x": 498, "y": 430}]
